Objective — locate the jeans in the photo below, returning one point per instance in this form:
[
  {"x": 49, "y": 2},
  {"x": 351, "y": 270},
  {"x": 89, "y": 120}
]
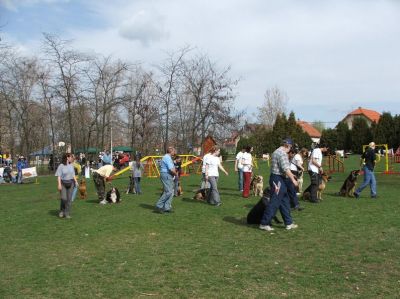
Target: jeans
[
  {"x": 240, "y": 179},
  {"x": 74, "y": 192},
  {"x": 165, "y": 201},
  {"x": 214, "y": 197},
  {"x": 19, "y": 177},
  {"x": 137, "y": 185},
  {"x": 369, "y": 179},
  {"x": 279, "y": 200}
]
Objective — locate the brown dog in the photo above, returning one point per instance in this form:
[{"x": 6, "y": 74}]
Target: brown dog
[
  {"x": 349, "y": 184},
  {"x": 324, "y": 178},
  {"x": 82, "y": 189},
  {"x": 257, "y": 185}
]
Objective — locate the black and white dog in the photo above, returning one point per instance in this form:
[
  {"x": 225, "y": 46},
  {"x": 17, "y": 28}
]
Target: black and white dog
[{"x": 112, "y": 196}]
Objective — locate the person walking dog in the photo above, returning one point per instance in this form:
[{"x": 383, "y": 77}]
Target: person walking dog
[
  {"x": 368, "y": 160},
  {"x": 280, "y": 173}
]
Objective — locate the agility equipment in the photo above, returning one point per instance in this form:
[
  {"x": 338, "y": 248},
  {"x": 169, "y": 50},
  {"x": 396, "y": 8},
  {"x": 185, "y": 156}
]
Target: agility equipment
[{"x": 190, "y": 164}]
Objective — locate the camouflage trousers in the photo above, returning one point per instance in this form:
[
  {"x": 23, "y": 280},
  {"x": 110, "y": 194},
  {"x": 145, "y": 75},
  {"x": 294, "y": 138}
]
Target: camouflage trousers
[{"x": 100, "y": 186}]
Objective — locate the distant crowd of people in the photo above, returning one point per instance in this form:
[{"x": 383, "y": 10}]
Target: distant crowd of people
[{"x": 12, "y": 173}]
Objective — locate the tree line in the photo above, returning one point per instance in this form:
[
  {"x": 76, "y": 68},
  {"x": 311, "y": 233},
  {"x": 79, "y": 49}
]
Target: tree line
[
  {"x": 386, "y": 131},
  {"x": 65, "y": 95}
]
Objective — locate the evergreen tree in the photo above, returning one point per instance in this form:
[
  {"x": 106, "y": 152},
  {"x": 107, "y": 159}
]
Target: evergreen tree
[
  {"x": 361, "y": 135},
  {"x": 343, "y": 136},
  {"x": 384, "y": 133},
  {"x": 330, "y": 137}
]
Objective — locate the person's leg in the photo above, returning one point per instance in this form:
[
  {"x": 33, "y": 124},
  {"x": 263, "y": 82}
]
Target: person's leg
[
  {"x": 165, "y": 200},
  {"x": 366, "y": 182},
  {"x": 314, "y": 182},
  {"x": 214, "y": 194},
  {"x": 284, "y": 207},
  {"x": 240, "y": 180},
  {"x": 291, "y": 191},
  {"x": 68, "y": 202},
  {"x": 170, "y": 194},
  {"x": 246, "y": 184},
  {"x": 176, "y": 185},
  {"x": 137, "y": 185},
  {"x": 373, "y": 184},
  {"x": 63, "y": 195},
  {"x": 274, "y": 203}
]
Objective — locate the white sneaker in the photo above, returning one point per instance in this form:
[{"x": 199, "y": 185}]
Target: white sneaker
[
  {"x": 291, "y": 226},
  {"x": 266, "y": 227}
]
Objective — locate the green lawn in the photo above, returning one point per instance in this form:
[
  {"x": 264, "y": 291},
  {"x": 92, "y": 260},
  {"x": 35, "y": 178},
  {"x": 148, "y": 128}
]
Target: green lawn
[{"x": 343, "y": 248}]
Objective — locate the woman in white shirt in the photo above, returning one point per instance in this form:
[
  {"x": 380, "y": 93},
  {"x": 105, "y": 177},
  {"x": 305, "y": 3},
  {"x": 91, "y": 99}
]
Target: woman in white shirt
[
  {"x": 247, "y": 162},
  {"x": 213, "y": 163}
]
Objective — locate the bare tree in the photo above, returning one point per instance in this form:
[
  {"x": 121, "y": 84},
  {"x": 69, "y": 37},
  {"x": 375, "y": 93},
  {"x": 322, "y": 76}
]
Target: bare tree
[
  {"x": 211, "y": 91},
  {"x": 170, "y": 71},
  {"x": 68, "y": 64},
  {"x": 107, "y": 77},
  {"x": 275, "y": 102},
  {"x": 17, "y": 88}
]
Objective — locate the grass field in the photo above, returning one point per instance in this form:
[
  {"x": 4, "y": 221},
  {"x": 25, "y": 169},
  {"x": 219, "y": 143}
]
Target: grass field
[{"x": 343, "y": 248}]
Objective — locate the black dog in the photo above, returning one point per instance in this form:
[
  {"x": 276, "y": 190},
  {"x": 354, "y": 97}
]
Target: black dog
[
  {"x": 256, "y": 213},
  {"x": 349, "y": 184},
  {"x": 113, "y": 196}
]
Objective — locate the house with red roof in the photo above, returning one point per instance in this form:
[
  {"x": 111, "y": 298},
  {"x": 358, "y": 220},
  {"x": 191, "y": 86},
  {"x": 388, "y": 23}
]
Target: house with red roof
[
  {"x": 308, "y": 128},
  {"x": 370, "y": 116}
]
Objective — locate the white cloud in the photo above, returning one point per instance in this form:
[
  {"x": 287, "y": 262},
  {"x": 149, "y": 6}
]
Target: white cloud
[{"x": 145, "y": 27}]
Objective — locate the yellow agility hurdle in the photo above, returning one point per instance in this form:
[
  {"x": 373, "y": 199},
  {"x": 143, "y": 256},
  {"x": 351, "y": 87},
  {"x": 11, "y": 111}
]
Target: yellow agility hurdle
[{"x": 151, "y": 165}]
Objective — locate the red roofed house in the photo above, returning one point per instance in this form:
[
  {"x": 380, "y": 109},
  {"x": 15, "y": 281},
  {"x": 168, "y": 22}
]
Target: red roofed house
[
  {"x": 310, "y": 130},
  {"x": 369, "y": 115}
]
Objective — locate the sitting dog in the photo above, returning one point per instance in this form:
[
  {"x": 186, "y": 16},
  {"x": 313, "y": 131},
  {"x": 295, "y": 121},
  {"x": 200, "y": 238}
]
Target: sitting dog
[
  {"x": 300, "y": 180},
  {"x": 112, "y": 196},
  {"x": 82, "y": 189},
  {"x": 349, "y": 184},
  {"x": 256, "y": 213},
  {"x": 257, "y": 184},
  {"x": 202, "y": 194},
  {"x": 324, "y": 178}
]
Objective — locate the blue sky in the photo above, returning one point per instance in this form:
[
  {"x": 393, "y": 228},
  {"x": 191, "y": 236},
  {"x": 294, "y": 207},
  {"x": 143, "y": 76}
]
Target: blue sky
[{"x": 330, "y": 57}]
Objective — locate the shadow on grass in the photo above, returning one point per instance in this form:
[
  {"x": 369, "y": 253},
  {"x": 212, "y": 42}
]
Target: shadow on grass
[
  {"x": 92, "y": 201},
  {"x": 146, "y": 206},
  {"x": 54, "y": 213},
  {"x": 238, "y": 221},
  {"x": 192, "y": 200}
]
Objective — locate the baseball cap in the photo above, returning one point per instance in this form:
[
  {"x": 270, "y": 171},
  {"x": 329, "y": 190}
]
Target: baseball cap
[{"x": 288, "y": 141}]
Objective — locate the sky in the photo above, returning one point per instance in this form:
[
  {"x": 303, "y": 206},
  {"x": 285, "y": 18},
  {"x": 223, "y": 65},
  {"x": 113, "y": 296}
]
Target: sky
[{"x": 329, "y": 57}]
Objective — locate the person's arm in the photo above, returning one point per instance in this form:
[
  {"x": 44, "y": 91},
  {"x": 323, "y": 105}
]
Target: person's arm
[
  {"x": 59, "y": 183},
  {"x": 222, "y": 169},
  {"x": 291, "y": 177},
  {"x": 206, "y": 172},
  {"x": 236, "y": 165}
]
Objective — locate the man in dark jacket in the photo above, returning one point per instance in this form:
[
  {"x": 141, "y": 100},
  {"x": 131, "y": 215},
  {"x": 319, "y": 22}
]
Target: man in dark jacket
[{"x": 368, "y": 159}]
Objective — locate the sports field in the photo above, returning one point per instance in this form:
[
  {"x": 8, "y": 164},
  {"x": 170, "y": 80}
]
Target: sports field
[{"x": 343, "y": 248}]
